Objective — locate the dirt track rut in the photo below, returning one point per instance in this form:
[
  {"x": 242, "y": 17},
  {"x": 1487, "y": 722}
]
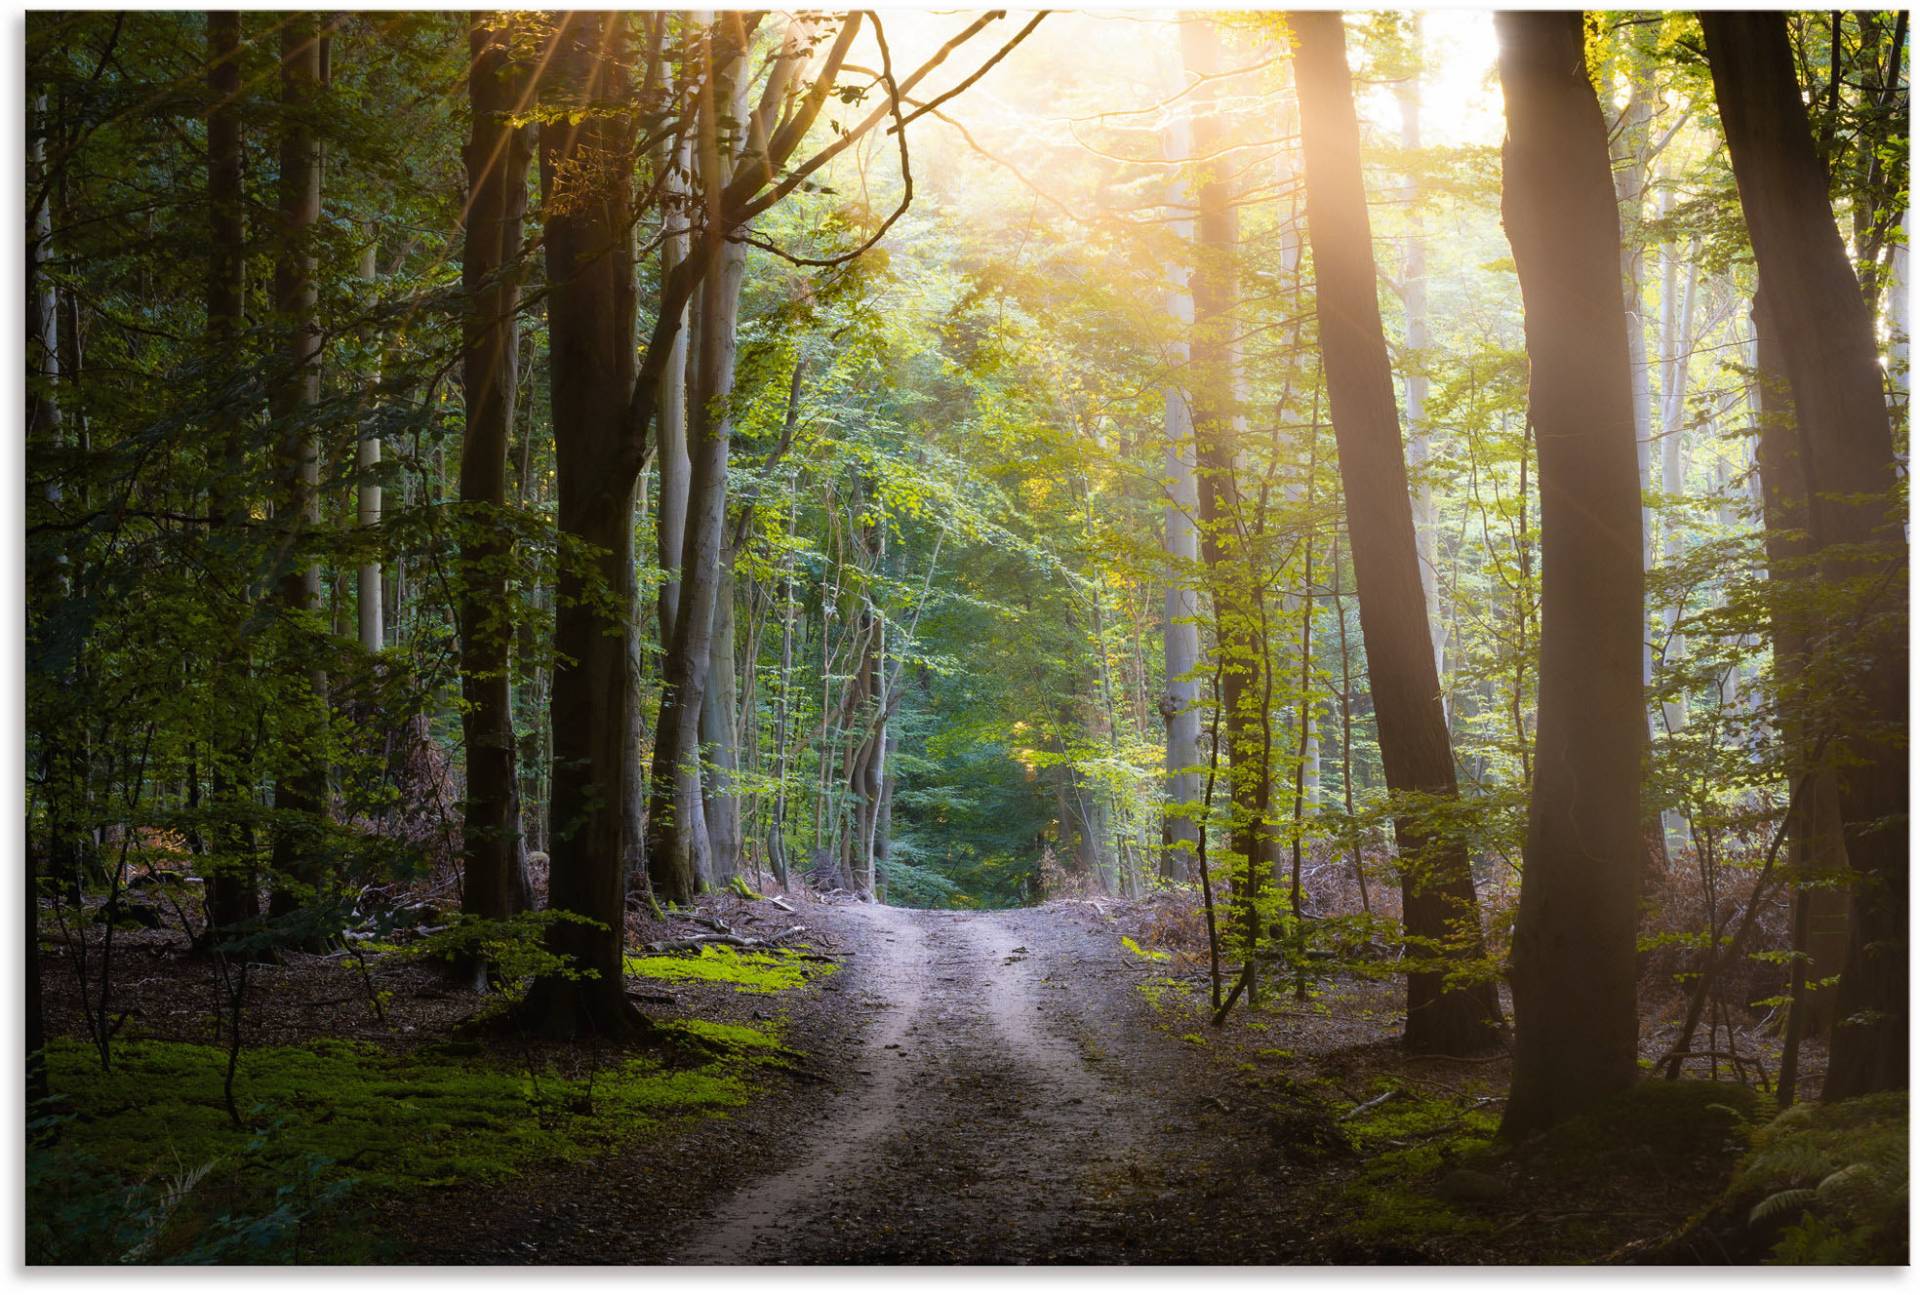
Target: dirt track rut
[{"x": 984, "y": 1119}]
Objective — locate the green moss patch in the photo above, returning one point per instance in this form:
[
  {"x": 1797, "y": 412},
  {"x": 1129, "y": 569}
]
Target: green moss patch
[
  {"x": 322, "y": 1123},
  {"x": 751, "y": 971},
  {"x": 739, "y": 1039},
  {"x": 1676, "y": 1121},
  {"x": 1409, "y": 1141}
]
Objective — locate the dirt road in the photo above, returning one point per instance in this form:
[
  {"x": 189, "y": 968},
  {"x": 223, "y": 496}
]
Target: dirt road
[
  {"x": 973, "y": 1087},
  {"x": 983, "y": 1117}
]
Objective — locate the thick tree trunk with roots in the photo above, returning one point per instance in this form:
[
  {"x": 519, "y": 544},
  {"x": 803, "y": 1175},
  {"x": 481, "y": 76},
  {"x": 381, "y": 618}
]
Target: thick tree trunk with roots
[
  {"x": 498, "y": 154},
  {"x": 1575, "y": 1019},
  {"x": 590, "y": 317},
  {"x": 1438, "y": 905},
  {"x": 1831, "y": 358}
]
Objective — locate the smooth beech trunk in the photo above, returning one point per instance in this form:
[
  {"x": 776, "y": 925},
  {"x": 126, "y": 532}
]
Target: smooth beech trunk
[
  {"x": 498, "y": 155},
  {"x": 590, "y": 314},
  {"x": 720, "y": 733},
  {"x": 1829, "y": 351},
  {"x": 1180, "y": 543},
  {"x": 679, "y": 850},
  {"x": 1576, "y": 1027},
  {"x": 1436, "y": 880}
]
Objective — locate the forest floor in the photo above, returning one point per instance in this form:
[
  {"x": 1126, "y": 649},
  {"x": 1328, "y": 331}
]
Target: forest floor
[
  {"x": 1022, "y": 1087},
  {"x": 1028, "y": 1086}
]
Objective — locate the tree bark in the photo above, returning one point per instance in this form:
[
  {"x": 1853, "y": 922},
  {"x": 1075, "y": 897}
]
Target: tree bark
[
  {"x": 1817, "y": 851},
  {"x": 1436, "y": 879},
  {"x": 233, "y": 889},
  {"x": 1831, "y": 359},
  {"x": 1413, "y": 279},
  {"x": 586, "y": 192},
  {"x": 300, "y": 795},
  {"x": 1575, "y": 1019},
  {"x": 789, "y": 606},
  {"x": 679, "y": 850},
  {"x": 1180, "y": 543},
  {"x": 720, "y": 734},
  {"x": 497, "y": 157},
  {"x": 1227, "y": 550},
  {"x": 42, "y": 435},
  {"x": 671, "y": 517}
]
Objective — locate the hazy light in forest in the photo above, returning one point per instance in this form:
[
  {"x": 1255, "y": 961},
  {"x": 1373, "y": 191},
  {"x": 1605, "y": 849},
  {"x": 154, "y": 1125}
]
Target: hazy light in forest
[{"x": 1460, "y": 95}]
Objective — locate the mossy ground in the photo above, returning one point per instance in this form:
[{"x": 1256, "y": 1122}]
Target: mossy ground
[
  {"x": 750, "y": 971},
  {"x": 1828, "y": 1184},
  {"x": 332, "y": 1123},
  {"x": 1407, "y": 1142}
]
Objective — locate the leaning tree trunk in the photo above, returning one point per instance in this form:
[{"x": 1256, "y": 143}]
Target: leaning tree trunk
[
  {"x": 590, "y": 320},
  {"x": 1831, "y": 359},
  {"x": 1436, "y": 880},
  {"x": 300, "y": 795},
  {"x": 1576, "y": 1026},
  {"x": 498, "y": 154},
  {"x": 1413, "y": 290}
]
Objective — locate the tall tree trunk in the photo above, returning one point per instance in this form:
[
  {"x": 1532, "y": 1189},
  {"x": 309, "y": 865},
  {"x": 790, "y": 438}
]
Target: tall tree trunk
[
  {"x": 42, "y": 435},
  {"x": 1817, "y": 854},
  {"x": 783, "y": 706},
  {"x": 1632, "y": 176},
  {"x": 1678, "y": 308},
  {"x": 679, "y": 858},
  {"x": 590, "y": 316},
  {"x": 1575, "y": 1019},
  {"x": 883, "y": 813},
  {"x": 671, "y": 517},
  {"x": 233, "y": 889},
  {"x": 1898, "y": 306},
  {"x": 1831, "y": 360},
  {"x": 1227, "y": 549},
  {"x": 300, "y": 797},
  {"x": 1413, "y": 281},
  {"x": 497, "y": 157},
  {"x": 720, "y": 734},
  {"x": 368, "y": 601},
  {"x": 1436, "y": 879},
  {"x": 1180, "y": 542}
]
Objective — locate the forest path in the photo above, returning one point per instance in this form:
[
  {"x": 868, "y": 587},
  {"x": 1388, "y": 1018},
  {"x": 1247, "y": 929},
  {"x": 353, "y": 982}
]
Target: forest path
[{"x": 994, "y": 1110}]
